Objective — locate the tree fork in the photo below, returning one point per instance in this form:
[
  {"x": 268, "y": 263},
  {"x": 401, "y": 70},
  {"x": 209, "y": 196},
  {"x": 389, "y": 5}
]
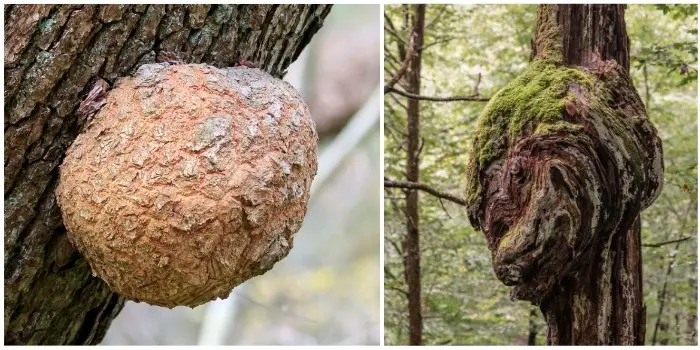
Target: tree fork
[{"x": 566, "y": 159}]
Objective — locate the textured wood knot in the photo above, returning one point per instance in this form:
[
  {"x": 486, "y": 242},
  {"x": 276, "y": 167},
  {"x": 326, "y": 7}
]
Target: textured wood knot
[
  {"x": 190, "y": 180},
  {"x": 563, "y": 183}
]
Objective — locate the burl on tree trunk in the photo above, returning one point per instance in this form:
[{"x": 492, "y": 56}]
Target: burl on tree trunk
[
  {"x": 54, "y": 54},
  {"x": 564, "y": 160}
]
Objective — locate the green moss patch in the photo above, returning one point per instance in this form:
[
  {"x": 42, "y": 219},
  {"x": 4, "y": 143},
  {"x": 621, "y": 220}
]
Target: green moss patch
[
  {"x": 533, "y": 102},
  {"x": 536, "y": 97}
]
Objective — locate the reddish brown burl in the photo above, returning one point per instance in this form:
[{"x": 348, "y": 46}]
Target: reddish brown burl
[{"x": 190, "y": 180}]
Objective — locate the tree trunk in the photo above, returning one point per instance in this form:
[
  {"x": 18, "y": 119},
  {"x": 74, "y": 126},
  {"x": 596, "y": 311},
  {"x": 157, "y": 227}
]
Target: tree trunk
[
  {"x": 588, "y": 32},
  {"x": 412, "y": 242},
  {"x": 53, "y": 54},
  {"x": 611, "y": 283},
  {"x": 567, "y": 161},
  {"x": 691, "y": 329},
  {"x": 532, "y": 334},
  {"x": 661, "y": 323}
]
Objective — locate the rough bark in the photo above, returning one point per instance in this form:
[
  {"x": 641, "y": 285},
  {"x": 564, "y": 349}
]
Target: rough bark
[
  {"x": 585, "y": 30},
  {"x": 53, "y": 56},
  {"x": 566, "y": 160},
  {"x": 412, "y": 241}
]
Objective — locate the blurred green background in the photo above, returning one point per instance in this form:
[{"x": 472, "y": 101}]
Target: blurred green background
[
  {"x": 326, "y": 291},
  {"x": 482, "y": 47}
]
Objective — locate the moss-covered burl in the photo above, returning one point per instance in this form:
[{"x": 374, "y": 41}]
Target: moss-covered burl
[
  {"x": 564, "y": 159},
  {"x": 190, "y": 180}
]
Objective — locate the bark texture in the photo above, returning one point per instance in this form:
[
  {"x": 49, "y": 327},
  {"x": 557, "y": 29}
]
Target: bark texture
[
  {"x": 54, "y": 54},
  {"x": 412, "y": 241},
  {"x": 566, "y": 159},
  {"x": 584, "y": 30}
]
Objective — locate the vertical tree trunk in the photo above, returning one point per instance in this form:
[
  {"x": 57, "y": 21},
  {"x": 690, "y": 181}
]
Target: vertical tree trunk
[
  {"x": 412, "y": 242},
  {"x": 532, "y": 329},
  {"x": 602, "y": 303},
  {"x": 691, "y": 325},
  {"x": 53, "y": 54},
  {"x": 662, "y": 294},
  {"x": 566, "y": 161},
  {"x": 587, "y": 31}
]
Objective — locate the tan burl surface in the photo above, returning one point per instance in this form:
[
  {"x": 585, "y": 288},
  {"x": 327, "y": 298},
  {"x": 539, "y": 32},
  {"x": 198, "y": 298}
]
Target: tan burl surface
[{"x": 189, "y": 181}]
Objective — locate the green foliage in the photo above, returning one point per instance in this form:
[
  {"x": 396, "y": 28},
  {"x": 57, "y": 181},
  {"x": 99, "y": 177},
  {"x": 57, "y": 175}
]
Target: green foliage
[
  {"x": 482, "y": 48},
  {"x": 679, "y": 56},
  {"x": 672, "y": 105}
]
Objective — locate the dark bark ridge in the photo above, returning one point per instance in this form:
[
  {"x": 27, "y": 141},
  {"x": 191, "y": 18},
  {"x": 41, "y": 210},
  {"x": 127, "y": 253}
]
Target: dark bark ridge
[
  {"x": 54, "y": 55},
  {"x": 564, "y": 160}
]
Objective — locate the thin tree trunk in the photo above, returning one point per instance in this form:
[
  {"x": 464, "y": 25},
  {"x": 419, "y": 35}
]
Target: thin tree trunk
[
  {"x": 412, "y": 242},
  {"x": 647, "y": 95},
  {"x": 691, "y": 329},
  {"x": 532, "y": 329},
  {"x": 663, "y": 294},
  {"x": 53, "y": 53}
]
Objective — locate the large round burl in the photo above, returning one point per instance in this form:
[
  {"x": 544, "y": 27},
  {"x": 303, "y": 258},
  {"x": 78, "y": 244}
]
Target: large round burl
[{"x": 189, "y": 181}]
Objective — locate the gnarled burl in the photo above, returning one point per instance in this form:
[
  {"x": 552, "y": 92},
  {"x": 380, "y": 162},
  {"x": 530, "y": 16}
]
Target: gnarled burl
[
  {"x": 564, "y": 160},
  {"x": 190, "y": 180}
]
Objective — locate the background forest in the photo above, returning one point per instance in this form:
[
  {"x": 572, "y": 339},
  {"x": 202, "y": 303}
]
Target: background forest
[{"x": 476, "y": 50}]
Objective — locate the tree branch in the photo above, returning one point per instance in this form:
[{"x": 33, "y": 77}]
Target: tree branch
[
  {"x": 437, "y": 42},
  {"x": 404, "y": 65},
  {"x": 398, "y": 102},
  {"x": 473, "y": 98},
  {"x": 399, "y": 251},
  {"x": 395, "y": 35},
  {"x": 443, "y": 208},
  {"x": 405, "y": 293},
  {"x": 435, "y": 20},
  {"x": 656, "y": 245},
  {"x": 417, "y": 186},
  {"x": 389, "y": 56}
]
